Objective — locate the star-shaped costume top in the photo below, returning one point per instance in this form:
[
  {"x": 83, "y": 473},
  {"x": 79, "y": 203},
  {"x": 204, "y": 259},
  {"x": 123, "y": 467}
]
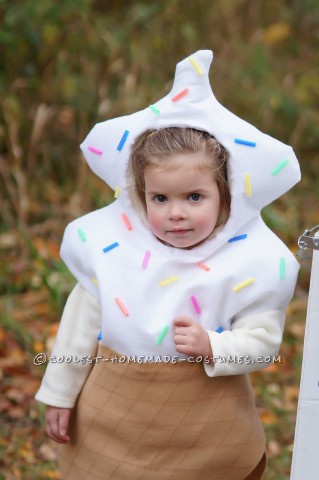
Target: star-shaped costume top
[{"x": 141, "y": 283}]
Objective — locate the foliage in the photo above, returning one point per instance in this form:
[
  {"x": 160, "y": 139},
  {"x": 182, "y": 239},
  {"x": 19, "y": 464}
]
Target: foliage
[
  {"x": 66, "y": 65},
  {"x": 77, "y": 62}
]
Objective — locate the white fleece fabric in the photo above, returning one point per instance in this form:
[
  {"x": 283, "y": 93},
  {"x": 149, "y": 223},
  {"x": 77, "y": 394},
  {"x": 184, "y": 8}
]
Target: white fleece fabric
[
  {"x": 241, "y": 278},
  {"x": 250, "y": 346},
  {"x": 76, "y": 340}
]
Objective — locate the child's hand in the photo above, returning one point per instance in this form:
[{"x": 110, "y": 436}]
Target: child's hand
[
  {"x": 57, "y": 422},
  {"x": 190, "y": 338}
]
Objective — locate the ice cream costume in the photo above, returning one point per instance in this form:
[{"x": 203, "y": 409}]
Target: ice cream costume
[{"x": 226, "y": 283}]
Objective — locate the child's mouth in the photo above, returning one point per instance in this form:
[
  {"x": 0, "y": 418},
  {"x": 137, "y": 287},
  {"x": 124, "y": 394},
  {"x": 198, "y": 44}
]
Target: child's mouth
[{"x": 180, "y": 231}]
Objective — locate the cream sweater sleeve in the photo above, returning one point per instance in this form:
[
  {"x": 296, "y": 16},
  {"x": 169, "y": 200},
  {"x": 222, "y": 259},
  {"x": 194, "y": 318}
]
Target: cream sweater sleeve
[
  {"x": 76, "y": 340},
  {"x": 251, "y": 345}
]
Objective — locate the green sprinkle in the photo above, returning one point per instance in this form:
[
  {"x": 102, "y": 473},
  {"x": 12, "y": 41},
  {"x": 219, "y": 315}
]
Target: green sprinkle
[
  {"x": 154, "y": 109},
  {"x": 279, "y": 167},
  {"x": 82, "y": 235},
  {"x": 162, "y": 335},
  {"x": 282, "y": 267}
]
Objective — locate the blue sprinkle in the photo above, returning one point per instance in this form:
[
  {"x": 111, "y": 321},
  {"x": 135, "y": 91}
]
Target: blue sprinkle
[
  {"x": 239, "y": 237},
  {"x": 99, "y": 336},
  {"x": 123, "y": 140},
  {"x": 110, "y": 247},
  {"x": 219, "y": 330},
  {"x": 245, "y": 142}
]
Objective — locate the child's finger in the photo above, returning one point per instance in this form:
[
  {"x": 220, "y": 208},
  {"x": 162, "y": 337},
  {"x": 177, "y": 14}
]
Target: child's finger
[
  {"x": 52, "y": 432},
  {"x": 63, "y": 424},
  {"x": 183, "y": 349},
  {"x": 182, "y": 321},
  {"x": 180, "y": 340},
  {"x": 181, "y": 331},
  {"x": 57, "y": 423}
]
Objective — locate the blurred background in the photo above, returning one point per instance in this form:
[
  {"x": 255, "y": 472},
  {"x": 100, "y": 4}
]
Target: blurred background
[{"x": 65, "y": 65}]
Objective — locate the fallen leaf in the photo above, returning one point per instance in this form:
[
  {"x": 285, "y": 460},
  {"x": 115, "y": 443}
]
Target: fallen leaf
[
  {"x": 47, "y": 452},
  {"x": 16, "y": 412},
  {"x": 297, "y": 305},
  {"x": 50, "y": 474},
  {"x": 268, "y": 417},
  {"x": 273, "y": 448},
  {"x": 27, "y": 454},
  {"x": 297, "y": 330},
  {"x": 277, "y": 32},
  {"x": 16, "y": 358},
  {"x": 38, "y": 346},
  {"x": 15, "y": 395}
]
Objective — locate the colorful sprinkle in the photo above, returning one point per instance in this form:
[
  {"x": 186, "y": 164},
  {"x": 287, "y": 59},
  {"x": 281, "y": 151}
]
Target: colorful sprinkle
[
  {"x": 196, "y": 305},
  {"x": 82, "y": 235},
  {"x": 123, "y": 140},
  {"x": 280, "y": 167},
  {"x": 282, "y": 268},
  {"x": 99, "y": 337},
  {"x": 94, "y": 280},
  {"x": 180, "y": 95},
  {"x": 154, "y": 109},
  {"x": 110, "y": 247},
  {"x": 244, "y": 284},
  {"x": 219, "y": 330},
  {"x": 162, "y": 335},
  {"x": 203, "y": 266},
  {"x": 95, "y": 150},
  {"x": 117, "y": 192},
  {"x": 238, "y": 237},
  {"x": 121, "y": 305},
  {"x": 146, "y": 258},
  {"x": 247, "y": 184},
  {"x": 169, "y": 280},
  {"x": 196, "y": 66},
  {"x": 126, "y": 221},
  {"x": 247, "y": 143}
]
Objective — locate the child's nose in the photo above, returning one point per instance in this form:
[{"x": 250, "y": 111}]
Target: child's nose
[{"x": 177, "y": 211}]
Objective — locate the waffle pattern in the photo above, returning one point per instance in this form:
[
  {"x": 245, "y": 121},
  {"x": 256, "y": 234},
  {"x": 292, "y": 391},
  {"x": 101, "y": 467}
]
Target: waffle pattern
[{"x": 163, "y": 421}]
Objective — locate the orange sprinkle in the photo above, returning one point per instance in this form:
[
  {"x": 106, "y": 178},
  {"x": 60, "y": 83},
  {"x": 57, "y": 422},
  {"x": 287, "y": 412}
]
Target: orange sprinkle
[
  {"x": 121, "y": 305},
  {"x": 203, "y": 266},
  {"x": 180, "y": 95},
  {"x": 126, "y": 221}
]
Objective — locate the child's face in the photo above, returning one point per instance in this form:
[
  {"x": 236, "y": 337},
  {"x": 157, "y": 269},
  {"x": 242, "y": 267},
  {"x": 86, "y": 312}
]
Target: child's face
[{"x": 182, "y": 204}]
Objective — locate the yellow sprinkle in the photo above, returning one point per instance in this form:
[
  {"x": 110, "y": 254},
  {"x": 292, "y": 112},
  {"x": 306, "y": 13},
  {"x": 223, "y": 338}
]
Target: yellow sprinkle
[
  {"x": 117, "y": 192},
  {"x": 244, "y": 284},
  {"x": 196, "y": 66},
  {"x": 248, "y": 184},
  {"x": 168, "y": 281},
  {"x": 94, "y": 280}
]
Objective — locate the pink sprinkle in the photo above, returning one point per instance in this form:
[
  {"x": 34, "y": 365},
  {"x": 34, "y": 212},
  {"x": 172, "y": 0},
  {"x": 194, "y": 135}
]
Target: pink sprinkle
[
  {"x": 196, "y": 305},
  {"x": 180, "y": 95},
  {"x": 146, "y": 258},
  {"x": 95, "y": 150},
  {"x": 203, "y": 266},
  {"x": 126, "y": 221},
  {"x": 121, "y": 305}
]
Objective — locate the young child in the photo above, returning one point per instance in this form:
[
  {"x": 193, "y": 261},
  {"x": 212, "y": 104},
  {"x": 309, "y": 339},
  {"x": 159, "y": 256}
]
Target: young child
[{"x": 184, "y": 287}]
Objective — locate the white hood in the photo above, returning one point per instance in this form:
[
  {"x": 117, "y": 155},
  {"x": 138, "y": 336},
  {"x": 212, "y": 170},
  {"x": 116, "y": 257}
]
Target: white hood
[{"x": 270, "y": 166}]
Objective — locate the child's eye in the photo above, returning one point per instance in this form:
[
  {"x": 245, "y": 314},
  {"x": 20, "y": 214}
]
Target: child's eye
[
  {"x": 160, "y": 198},
  {"x": 195, "y": 197}
]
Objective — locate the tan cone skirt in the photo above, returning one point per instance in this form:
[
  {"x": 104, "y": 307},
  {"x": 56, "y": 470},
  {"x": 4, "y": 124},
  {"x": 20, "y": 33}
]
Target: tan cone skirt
[{"x": 162, "y": 421}]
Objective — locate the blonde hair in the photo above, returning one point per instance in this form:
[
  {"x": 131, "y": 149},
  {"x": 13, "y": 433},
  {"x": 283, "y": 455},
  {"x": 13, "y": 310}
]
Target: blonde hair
[{"x": 153, "y": 147}]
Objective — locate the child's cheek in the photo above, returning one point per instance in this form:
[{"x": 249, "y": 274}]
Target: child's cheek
[{"x": 155, "y": 222}]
